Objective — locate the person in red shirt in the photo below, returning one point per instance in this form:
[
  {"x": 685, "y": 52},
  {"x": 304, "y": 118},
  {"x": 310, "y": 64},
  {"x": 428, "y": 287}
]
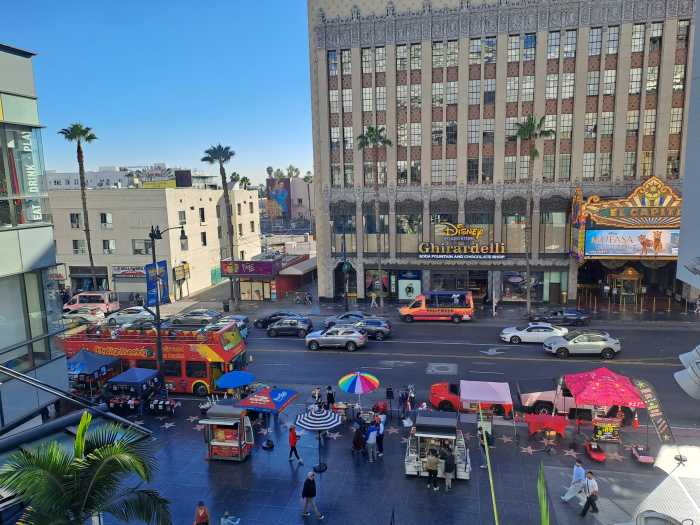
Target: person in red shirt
[{"x": 293, "y": 438}]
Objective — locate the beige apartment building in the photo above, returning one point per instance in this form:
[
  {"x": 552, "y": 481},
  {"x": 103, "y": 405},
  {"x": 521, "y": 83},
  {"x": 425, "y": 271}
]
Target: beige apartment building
[
  {"x": 121, "y": 219},
  {"x": 449, "y": 80}
]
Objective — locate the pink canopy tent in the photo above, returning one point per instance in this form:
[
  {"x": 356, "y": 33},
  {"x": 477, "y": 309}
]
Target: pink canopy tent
[{"x": 603, "y": 387}]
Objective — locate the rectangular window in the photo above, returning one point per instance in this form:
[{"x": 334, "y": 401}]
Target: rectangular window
[
  {"x": 553, "y": 232},
  {"x": 367, "y": 59},
  {"x": 650, "y": 122},
  {"x": 487, "y": 126},
  {"x": 647, "y": 164},
  {"x": 451, "y": 132},
  {"x": 171, "y": 369},
  {"x": 487, "y": 170},
  {"x": 638, "y": 37},
  {"x": 438, "y": 54},
  {"x": 529, "y": 46},
  {"x": 250, "y": 207},
  {"x": 381, "y": 169},
  {"x": 402, "y": 134},
  {"x": 553, "y": 42},
  {"x": 682, "y": 34},
  {"x": 472, "y": 171},
  {"x": 367, "y": 99},
  {"x": 510, "y": 165},
  {"x": 416, "y": 58},
  {"x": 588, "y": 171},
  {"x": 512, "y": 89},
  {"x": 401, "y": 96},
  {"x": 332, "y": 63},
  {"x": 678, "y": 77},
  {"x": 141, "y": 246},
  {"x": 347, "y": 100},
  {"x": 514, "y": 48},
  {"x": 673, "y": 165},
  {"x": 252, "y": 226},
  {"x": 550, "y": 123},
  {"x": 380, "y": 99},
  {"x": 604, "y": 166},
  {"x": 345, "y": 62},
  {"x": 401, "y": 173},
  {"x": 551, "y": 88},
  {"x": 609, "y": 81},
  {"x": 333, "y": 101},
  {"x": 655, "y": 34},
  {"x": 380, "y": 59},
  {"x": 401, "y": 58},
  {"x": 409, "y": 232},
  {"x": 652, "y": 78},
  {"x": 451, "y": 171},
  {"x": 488, "y": 50},
  {"x": 79, "y": 247},
  {"x": 592, "y": 82},
  {"x": 415, "y": 173},
  {"x": 595, "y": 41},
  {"x": 676, "y": 124},
  {"x": 564, "y": 166},
  {"x": 451, "y": 91},
  {"x": 416, "y": 132},
  {"x": 203, "y": 238},
  {"x": 416, "y": 96},
  {"x": 75, "y": 222},
  {"x": 607, "y": 124},
  {"x": 335, "y": 138},
  {"x": 567, "y": 85},
  {"x": 475, "y": 51},
  {"x": 489, "y": 91},
  {"x": 202, "y": 217},
  {"x": 182, "y": 217},
  {"x": 629, "y": 170},
  {"x": 106, "y": 221},
  {"x": 109, "y": 246},
  {"x": 613, "y": 40},
  {"x": 436, "y": 172},
  {"x": 524, "y": 168},
  {"x": 438, "y": 93},
  {"x": 512, "y": 128},
  {"x": 548, "y": 168},
  {"x": 437, "y": 133},
  {"x": 452, "y": 55},
  {"x": 196, "y": 370},
  {"x": 635, "y": 80},
  {"x": 369, "y": 174},
  {"x": 527, "y": 88},
  {"x": 633, "y": 121},
  {"x": 570, "y": 43},
  {"x": 473, "y": 131},
  {"x": 349, "y": 175},
  {"x": 347, "y": 138},
  {"x": 591, "y": 125},
  {"x": 474, "y": 92},
  {"x": 565, "y": 125},
  {"x": 336, "y": 176}
]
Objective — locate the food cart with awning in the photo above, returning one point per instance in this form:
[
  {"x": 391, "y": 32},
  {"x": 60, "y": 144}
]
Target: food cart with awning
[
  {"x": 486, "y": 394},
  {"x": 87, "y": 372},
  {"x": 435, "y": 430},
  {"x": 227, "y": 431},
  {"x": 133, "y": 388}
]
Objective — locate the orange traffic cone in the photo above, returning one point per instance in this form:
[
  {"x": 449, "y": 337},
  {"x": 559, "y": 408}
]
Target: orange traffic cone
[{"x": 635, "y": 422}]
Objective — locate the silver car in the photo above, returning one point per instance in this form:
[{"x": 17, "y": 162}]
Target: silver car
[
  {"x": 584, "y": 342},
  {"x": 336, "y": 336},
  {"x": 129, "y": 315}
]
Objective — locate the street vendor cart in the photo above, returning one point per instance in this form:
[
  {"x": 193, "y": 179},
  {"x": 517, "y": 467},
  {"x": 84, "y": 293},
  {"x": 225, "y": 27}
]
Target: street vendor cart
[
  {"x": 227, "y": 432},
  {"x": 436, "y": 430},
  {"x": 131, "y": 390},
  {"x": 88, "y": 373}
]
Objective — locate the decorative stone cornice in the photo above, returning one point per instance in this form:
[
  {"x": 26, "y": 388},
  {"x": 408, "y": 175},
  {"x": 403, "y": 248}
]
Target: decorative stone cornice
[{"x": 489, "y": 18}]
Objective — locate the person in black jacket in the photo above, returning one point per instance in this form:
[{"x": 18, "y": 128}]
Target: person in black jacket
[{"x": 308, "y": 493}]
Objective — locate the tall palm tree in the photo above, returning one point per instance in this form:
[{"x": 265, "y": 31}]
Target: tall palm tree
[
  {"x": 269, "y": 170},
  {"x": 235, "y": 178},
  {"x": 71, "y": 487},
  {"x": 292, "y": 171},
  {"x": 244, "y": 182},
  {"x": 530, "y": 131},
  {"x": 375, "y": 138},
  {"x": 221, "y": 155},
  {"x": 279, "y": 174},
  {"x": 82, "y": 134}
]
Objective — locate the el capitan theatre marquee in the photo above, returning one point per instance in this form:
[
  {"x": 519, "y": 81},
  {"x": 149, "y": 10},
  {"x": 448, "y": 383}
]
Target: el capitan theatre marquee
[{"x": 642, "y": 226}]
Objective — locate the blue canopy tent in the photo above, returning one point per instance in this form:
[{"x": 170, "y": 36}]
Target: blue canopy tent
[
  {"x": 133, "y": 376},
  {"x": 89, "y": 364}
]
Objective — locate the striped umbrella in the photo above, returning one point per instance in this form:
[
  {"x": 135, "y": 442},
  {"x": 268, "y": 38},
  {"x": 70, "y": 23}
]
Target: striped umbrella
[
  {"x": 318, "y": 420},
  {"x": 358, "y": 383}
]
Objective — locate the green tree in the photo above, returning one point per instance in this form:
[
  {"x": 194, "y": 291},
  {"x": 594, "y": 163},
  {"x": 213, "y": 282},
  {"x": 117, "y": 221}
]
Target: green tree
[
  {"x": 221, "y": 155},
  {"x": 375, "y": 138},
  {"x": 82, "y": 134},
  {"x": 235, "y": 178},
  {"x": 293, "y": 171},
  {"x": 244, "y": 183},
  {"x": 62, "y": 487},
  {"x": 530, "y": 131},
  {"x": 279, "y": 174}
]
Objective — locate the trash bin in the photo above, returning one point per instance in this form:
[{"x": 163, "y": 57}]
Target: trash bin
[{"x": 226, "y": 307}]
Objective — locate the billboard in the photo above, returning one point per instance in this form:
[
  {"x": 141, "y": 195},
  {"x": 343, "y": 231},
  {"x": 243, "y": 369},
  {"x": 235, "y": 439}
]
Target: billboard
[
  {"x": 279, "y": 198},
  {"x": 632, "y": 243},
  {"x": 248, "y": 268},
  {"x": 157, "y": 279}
]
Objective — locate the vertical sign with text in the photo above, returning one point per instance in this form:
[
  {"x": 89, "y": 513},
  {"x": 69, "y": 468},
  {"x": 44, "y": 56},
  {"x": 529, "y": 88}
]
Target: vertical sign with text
[{"x": 157, "y": 279}]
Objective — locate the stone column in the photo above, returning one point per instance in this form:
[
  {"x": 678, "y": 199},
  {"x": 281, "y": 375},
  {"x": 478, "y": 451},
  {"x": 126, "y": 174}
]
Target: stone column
[
  {"x": 573, "y": 281},
  {"x": 392, "y": 226},
  {"x": 390, "y": 84},
  {"x": 624, "y": 59},
  {"x": 664, "y": 96},
  {"x": 426, "y": 218},
  {"x": 535, "y": 229}
]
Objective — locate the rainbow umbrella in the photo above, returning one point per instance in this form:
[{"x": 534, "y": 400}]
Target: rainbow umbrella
[{"x": 358, "y": 383}]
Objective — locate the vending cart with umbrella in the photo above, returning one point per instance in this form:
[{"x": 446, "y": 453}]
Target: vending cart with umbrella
[
  {"x": 318, "y": 420},
  {"x": 267, "y": 400},
  {"x": 435, "y": 431},
  {"x": 227, "y": 431}
]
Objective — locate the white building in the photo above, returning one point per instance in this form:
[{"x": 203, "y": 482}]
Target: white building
[
  {"x": 120, "y": 221},
  {"x": 106, "y": 177}
]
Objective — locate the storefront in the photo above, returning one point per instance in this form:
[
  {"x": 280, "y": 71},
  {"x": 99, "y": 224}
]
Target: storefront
[
  {"x": 627, "y": 248},
  {"x": 261, "y": 280},
  {"x": 81, "y": 278},
  {"x": 128, "y": 280}
]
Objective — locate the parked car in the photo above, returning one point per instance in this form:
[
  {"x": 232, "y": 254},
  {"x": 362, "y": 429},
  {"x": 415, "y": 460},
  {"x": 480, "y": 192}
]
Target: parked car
[
  {"x": 292, "y": 326},
  {"x": 351, "y": 317},
  {"x": 128, "y": 315},
  {"x": 337, "y": 336},
  {"x": 584, "y": 342},
  {"x": 242, "y": 322},
  {"x": 445, "y": 396},
  {"x": 532, "y": 333},
  {"x": 85, "y": 315},
  {"x": 198, "y": 316},
  {"x": 144, "y": 324},
  {"x": 561, "y": 316},
  {"x": 264, "y": 322},
  {"x": 375, "y": 327}
]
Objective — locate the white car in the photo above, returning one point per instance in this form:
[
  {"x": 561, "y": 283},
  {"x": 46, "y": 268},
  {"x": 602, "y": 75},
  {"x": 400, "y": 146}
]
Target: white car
[
  {"x": 532, "y": 333},
  {"x": 85, "y": 315},
  {"x": 129, "y": 315}
]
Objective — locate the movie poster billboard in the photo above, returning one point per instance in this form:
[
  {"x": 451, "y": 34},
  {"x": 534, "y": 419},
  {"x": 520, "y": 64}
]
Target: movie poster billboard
[
  {"x": 279, "y": 198},
  {"x": 647, "y": 243},
  {"x": 157, "y": 279}
]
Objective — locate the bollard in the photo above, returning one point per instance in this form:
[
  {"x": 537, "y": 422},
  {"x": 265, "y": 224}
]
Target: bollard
[
  {"x": 609, "y": 302},
  {"x": 653, "y": 305},
  {"x": 595, "y": 304},
  {"x": 668, "y": 309},
  {"x": 686, "y": 307},
  {"x": 622, "y": 303}
]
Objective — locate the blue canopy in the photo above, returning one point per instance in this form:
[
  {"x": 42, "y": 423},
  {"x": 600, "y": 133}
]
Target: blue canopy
[
  {"x": 235, "y": 379},
  {"x": 133, "y": 376},
  {"x": 270, "y": 400},
  {"x": 85, "y": 362}
]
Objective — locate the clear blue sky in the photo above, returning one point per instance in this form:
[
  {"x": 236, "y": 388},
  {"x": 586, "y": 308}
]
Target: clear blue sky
[{"x": 161, "y": 80}]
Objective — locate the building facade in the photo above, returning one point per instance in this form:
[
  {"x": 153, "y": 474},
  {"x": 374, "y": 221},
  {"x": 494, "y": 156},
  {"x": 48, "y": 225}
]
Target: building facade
[
  {"x": 30, "y": 307},
  {"x": 449, "y": 81},
  {"x": 120, "y": 223}
]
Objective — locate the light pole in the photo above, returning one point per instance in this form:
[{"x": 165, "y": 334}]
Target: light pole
[{"x": 156, "y": 234}]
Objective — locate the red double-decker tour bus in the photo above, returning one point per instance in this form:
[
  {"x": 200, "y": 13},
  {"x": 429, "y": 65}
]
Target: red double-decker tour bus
[{"x": 193, "y": 358}]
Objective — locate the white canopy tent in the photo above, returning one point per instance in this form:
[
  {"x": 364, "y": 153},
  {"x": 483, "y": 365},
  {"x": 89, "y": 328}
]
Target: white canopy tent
[{"x": 485, "y": 392}]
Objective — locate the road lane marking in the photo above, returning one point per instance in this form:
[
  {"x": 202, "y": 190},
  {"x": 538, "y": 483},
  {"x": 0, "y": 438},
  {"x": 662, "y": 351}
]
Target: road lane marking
[
  {"x": 482, "y": 372},
  {"x": 376, "y": 368}
]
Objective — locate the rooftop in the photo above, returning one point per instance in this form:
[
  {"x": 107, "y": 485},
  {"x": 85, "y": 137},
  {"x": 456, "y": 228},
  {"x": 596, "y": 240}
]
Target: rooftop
[{"x": 16, "y": 51}]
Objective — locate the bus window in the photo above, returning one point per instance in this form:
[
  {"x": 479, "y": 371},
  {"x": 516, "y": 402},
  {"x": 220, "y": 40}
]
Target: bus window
[
  {"x": 196, "y": 370},
  {"x": 171, "y": 369},
  {"x": 146, "y": 363},
  {"x": 217, "y": 370}
]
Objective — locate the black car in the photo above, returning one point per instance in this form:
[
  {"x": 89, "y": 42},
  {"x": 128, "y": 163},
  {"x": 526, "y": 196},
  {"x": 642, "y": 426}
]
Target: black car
[
  {"x": 561, "y": 316},
  {"x": 375, "y": 328},
  {"x": 290, "y": 326},
  {"x": 264, "y": 322},
  {"x": 197, "y": 317}
]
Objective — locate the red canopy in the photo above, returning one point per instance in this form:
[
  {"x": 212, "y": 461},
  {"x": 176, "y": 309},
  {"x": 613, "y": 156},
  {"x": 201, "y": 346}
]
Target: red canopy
[{"x": 603, "y": 387}]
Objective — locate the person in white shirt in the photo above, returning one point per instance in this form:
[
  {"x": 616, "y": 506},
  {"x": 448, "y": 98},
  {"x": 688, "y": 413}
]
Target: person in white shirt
[
  {"x": 380, "y": 420},
  {"x": 590, "y": 489},
  {"x": 577, "y": 479}
]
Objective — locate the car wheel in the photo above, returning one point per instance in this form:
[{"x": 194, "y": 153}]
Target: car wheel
[
  {"x": 313, "y": 345},
  {"x": 379, "y": 336},
  {"x": 607, "y": 353},
  {"x": 456, "y": 319},
  {"x": 515, "y": 340},
  {"x": 272, "y": 333},
  {"x": 350, "y": 346},
  {"x": 408, "y": 318},
  {"x": 543, "y": 407},
  {"x": 301, "y": 333},
  {"x": 446, "y": 406},
  {"x": 562, "y": 353},
  {"x": 201, "y": 390},
  {"x": 112, "y": 321}
]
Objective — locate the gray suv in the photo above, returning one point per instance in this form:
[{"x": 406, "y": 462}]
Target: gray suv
[
  {"x": 583, "y": 342},
  {"x": 336, "y": 336}
]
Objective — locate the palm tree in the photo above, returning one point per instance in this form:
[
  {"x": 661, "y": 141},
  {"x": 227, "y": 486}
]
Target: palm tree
[
  {"x": 244, "y": 182},
  {"x": 270, "y": 170},
  {"x": 66, "y": 487},
  {"x": 278, "y": 174},
  {"x": 78, "y": 133},
  {"x": 292, "y": 171},
  {"x": 531, "y": 131},
  {"x": 235, "y": 178},
  {"x": 221, "y": 155},
  {"x": 375, "y": 138}
]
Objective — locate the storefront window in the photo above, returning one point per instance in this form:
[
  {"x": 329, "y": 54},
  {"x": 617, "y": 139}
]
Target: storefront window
[
  {"x": 483, "y": 220},
  {"x": 514, "y": 230},
  {"x": 437, "y": 225},
  {"x": 376, "y": 238},
  {"x": 409, "y": 232},
  {"x": 343, "y": 234},
  {"x": 553, "y": 232},
  {"x": 475, "y": 281},
  {"x": 514, "y": 288},
  {"x": 373, "y": 283}
]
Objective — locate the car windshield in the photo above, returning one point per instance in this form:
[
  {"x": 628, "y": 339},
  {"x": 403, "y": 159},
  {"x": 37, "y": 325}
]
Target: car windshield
[
  {"x": 520, "y": 328},
  {"x": 572, "y": 335}
]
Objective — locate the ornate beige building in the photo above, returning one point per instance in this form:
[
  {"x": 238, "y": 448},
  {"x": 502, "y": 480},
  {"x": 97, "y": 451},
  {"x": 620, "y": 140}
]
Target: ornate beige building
[{"x": 449, "y": 80}]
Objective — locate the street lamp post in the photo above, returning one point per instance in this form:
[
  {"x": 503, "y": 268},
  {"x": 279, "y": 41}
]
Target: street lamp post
[{"x": 156, "y": 234}]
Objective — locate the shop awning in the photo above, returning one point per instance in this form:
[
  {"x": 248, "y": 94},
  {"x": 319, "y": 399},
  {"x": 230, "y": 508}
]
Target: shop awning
[
  {"x": 301, "y": 268},
  {"x": 485, "y": 392}
]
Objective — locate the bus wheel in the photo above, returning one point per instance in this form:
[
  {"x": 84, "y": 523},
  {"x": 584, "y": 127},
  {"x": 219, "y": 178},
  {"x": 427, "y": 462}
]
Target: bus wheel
[
  {"x": 408, "y": 318},
  {"x": 456, "y": 319},
  {"x": 200, "y": 389}
]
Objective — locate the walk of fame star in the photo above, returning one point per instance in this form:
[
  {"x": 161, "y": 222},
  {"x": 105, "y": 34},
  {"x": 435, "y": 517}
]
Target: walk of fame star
[
  {"x": 571, "y": 453},
  {"x": 334, "y": 435},
  {"x": 505, "y": 439},
  {"x": 527, "y": 450},
  {"x": 166, "y": 426},
  {"x": 161, "y": 418},
  {"x": 192, "y": 419},
  {"x": 198, "y": 428},
  {"x": 392, "y": 430}
]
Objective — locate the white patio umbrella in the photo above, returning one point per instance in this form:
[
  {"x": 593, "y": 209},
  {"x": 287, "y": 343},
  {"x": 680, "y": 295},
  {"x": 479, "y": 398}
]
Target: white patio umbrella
[{"x": 318, "y": 420}]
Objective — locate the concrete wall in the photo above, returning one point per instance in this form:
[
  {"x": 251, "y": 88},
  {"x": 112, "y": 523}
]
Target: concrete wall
[{"x": 17, "y": 73}]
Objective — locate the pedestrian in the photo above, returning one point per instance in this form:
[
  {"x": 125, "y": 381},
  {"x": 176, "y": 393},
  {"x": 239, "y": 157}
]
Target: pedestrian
[
  {"x": 293, "y": 438},
  {"x": 590, "y": 489},
  {"x": 373, "y": 300},
  {"x": 577, "y": 480},
  {"x": 449, "y": 468},
  {"x": 308, "y": 493},
  {"x": 431, "y": 465},
  {"x": 227, "y": 519},
  {"x": 201, "y": 514},
  {"x": 358, "y": 441},
  {"x": 371, "y": 441},
  {"x": 483, "y": 443},
  {"x": 380, "y": 420},
  {"x": 330, "y": 397},
  {"x": 316, "y": 395}
]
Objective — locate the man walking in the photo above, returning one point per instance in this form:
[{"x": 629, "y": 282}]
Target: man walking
[
  {"x": 371, "y": 441},
  {"x": 450, "y": 467},
  {"x": 293, "y": 438},
  {"x": 381, "y": 418},
  {"x": 308, "y": 493},
  {"x": 590, "y": 489},
  {"x": 577, "y": 480}
]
